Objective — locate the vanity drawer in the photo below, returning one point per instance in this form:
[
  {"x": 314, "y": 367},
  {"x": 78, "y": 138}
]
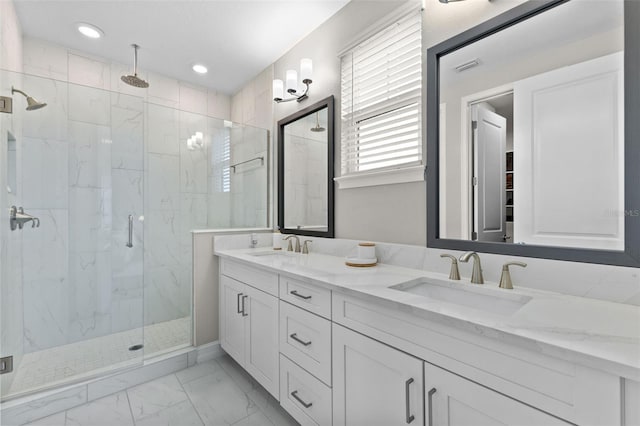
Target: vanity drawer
[
  {"x": 306, "y": 339},
  {"x": 308, "y": 296},
  {"x": 262, "y": 280},
  {"x": 306, "y": 398}
]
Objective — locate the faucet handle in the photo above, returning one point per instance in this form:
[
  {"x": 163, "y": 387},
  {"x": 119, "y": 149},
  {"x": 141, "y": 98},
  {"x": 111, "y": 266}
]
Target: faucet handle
[
  {"x": 305, "y": 246},
  {"x": 505, "y": 277},
  {"x": 454, "y": 273}
]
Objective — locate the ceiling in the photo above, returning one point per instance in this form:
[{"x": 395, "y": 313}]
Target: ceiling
[
  {"x": 570, "y": 24},
  {"x": 235, "y": 39}
]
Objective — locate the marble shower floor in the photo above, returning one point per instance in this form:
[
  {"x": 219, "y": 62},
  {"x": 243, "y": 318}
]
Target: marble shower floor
[
  {"x": 91, "y": 357},
  {"x": 217, "y": 392}
]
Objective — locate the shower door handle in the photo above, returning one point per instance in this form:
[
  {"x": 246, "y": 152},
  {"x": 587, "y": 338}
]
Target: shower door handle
[{"x": 130, "y": 242}]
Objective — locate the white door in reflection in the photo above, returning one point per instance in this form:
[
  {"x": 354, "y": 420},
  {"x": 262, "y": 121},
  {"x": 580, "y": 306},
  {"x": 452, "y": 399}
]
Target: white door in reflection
[{"x": 489, "y": 148}]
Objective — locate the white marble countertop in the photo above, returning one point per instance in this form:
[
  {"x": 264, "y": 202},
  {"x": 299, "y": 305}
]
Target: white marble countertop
[{"x": 594, "y": 333}]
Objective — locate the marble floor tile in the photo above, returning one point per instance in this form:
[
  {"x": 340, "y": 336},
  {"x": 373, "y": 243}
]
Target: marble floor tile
[
  {"x": 182, "y": 414},
  {"x": 55, "y": 420},
  {"x": 237, "y": 373},
  {"x": 270, "y": 406},
  {"x": 108, "y": 411},
  {"x": 218, "y": 399},
  {"x": 203, "y": 395},
  {"x": 256, "y": 419},
  {"x": 150, "y": 398},
  {"x": 198, "y": 371}
]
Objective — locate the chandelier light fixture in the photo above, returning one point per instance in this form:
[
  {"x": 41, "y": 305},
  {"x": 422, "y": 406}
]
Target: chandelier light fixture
[{"x": 294, "y": 90}]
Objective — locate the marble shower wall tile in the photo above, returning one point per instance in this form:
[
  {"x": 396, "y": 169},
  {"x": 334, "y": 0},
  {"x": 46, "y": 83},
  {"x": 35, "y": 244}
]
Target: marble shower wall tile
[
  {"x": 192, "y": 99},
  {"x": 89, "y": 105},
  {"x": 50, "y": 122},
  {"x": 88, "y": 71},
  {"x": 127, "y": 132},
  {"x": 163, "y": 90},
  {"x": 44, "y": 59},
  {"x": 46, "y": 313},
  {"x": 162, "y": 129},
  {"x": 89, "y": 155},
  {"x": 167, "y": 293},
  {"x": 45, "y": 180},
  {"x": 89, "y": 295},
  {"x": 90, "y": 219},
  {"x": 162, "y": 238},
  {"x": 163, "y": 183}
]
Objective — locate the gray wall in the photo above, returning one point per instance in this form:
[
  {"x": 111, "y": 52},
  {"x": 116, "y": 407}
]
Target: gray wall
[{"x": 386, "y": 213}]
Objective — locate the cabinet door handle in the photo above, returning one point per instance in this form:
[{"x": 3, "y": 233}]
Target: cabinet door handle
[
  {"x": 408, "y": 414},
  {"x": 295, "y": 395},
  {"x": 295, "y": 337},
  {"x": 430, "y": 400},
  {"x": 238, "y": 303},
  {"x": 295, "y": 293},
  {"x": 244, "y": 314}
]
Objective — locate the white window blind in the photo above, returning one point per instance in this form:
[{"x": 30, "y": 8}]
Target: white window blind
[
  {"x": 222, "y": 162},
  {"x": 381, "y": 100}
]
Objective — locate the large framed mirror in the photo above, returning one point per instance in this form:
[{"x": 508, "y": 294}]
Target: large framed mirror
[
  {"x": 533, "y": 134},
  {"x": 305, "y": 171}
]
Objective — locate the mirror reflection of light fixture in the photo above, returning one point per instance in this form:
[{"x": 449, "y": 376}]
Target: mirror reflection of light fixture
[
  {"x": 293, "y": 89},
  {"x": 195, "y": 141}
]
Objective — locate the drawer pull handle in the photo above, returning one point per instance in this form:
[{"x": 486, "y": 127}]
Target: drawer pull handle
[
  {"x": 409, "y": 416},
  {"x": 238, "y": 303},
  {"x": 295, "y": 395},
  {"x": 295, "y": 293},
  {"x": 430, "y": 400},
  {"x": 244, "y": 314},
  {"x": 295, "y": 337}
]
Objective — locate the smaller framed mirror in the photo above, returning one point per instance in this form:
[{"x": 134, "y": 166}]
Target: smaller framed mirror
[{"x": 305, "y": 171}]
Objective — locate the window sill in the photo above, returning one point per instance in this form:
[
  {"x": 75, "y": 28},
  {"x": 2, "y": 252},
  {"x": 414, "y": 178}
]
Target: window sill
[{"x": 383, "y": 177}]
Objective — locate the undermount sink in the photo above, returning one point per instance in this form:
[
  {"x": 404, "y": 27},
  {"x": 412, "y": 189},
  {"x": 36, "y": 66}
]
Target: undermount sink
[{"x": 465, "y": 295}]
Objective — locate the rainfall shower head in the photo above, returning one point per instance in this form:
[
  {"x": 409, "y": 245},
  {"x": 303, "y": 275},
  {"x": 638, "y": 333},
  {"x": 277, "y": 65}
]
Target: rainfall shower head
[
  {"x": 32, "y": 104},
  {"x": 134, "y": 80},
  {"x": 317, "y": 127}
]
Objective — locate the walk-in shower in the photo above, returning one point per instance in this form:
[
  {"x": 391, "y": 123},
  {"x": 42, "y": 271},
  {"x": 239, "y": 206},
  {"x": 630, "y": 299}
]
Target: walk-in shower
[{"x": 105, "y": 281}]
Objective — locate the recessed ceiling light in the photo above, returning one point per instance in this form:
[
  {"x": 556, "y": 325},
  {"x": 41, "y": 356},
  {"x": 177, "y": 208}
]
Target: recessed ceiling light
[
  {"x": 200, "y": 69},
  {"x": 89, "y": 30}
]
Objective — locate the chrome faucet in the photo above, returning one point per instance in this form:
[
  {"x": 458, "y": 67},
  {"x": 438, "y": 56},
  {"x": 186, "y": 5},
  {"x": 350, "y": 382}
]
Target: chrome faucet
[
  {"x": 305, "y": 246},
  {"x": 505, "y": 277},
  {"x": 476, "y": 275},
  {"x": 290, "y": 246}
]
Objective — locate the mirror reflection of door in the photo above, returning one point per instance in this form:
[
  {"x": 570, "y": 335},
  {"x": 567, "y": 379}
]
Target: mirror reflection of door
[{"x": 489, "y": 139}]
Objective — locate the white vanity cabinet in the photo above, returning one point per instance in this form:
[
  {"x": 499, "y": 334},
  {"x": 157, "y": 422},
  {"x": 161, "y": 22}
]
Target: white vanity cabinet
[
  {"x": 249, "y": 326},
  {"x": 454, "y": 401},
  {"x": 337, "y": 357},
  {"x": 374, "y": 384}
]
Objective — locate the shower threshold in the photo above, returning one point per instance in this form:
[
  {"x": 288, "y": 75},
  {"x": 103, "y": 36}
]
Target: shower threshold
[{"x": 90, "y": 358}]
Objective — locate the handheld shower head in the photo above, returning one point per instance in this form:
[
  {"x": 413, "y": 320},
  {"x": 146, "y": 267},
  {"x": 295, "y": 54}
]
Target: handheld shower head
[
  {"x": 32, "y": 104},
  {"x": 134, "y": 80}
]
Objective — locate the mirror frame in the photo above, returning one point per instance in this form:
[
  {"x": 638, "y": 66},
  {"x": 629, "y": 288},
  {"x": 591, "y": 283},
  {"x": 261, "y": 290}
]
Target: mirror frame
[
  {"x": 631, "y": 254},
  {"x": 325, "y": 103}
]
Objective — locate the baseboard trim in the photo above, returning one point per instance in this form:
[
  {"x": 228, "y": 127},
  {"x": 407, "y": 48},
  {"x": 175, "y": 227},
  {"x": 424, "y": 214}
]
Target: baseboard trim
[{"x": 208, "y": 351}]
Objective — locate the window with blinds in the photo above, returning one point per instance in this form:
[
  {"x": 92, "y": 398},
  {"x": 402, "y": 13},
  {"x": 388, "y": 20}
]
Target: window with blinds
[
  {"x": 381, "y": 100},
  {"x": 221, "y": 152}
]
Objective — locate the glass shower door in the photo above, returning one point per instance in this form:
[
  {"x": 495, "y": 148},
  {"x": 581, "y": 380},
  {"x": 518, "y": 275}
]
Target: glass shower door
[{"x": 79, "y": 167}]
